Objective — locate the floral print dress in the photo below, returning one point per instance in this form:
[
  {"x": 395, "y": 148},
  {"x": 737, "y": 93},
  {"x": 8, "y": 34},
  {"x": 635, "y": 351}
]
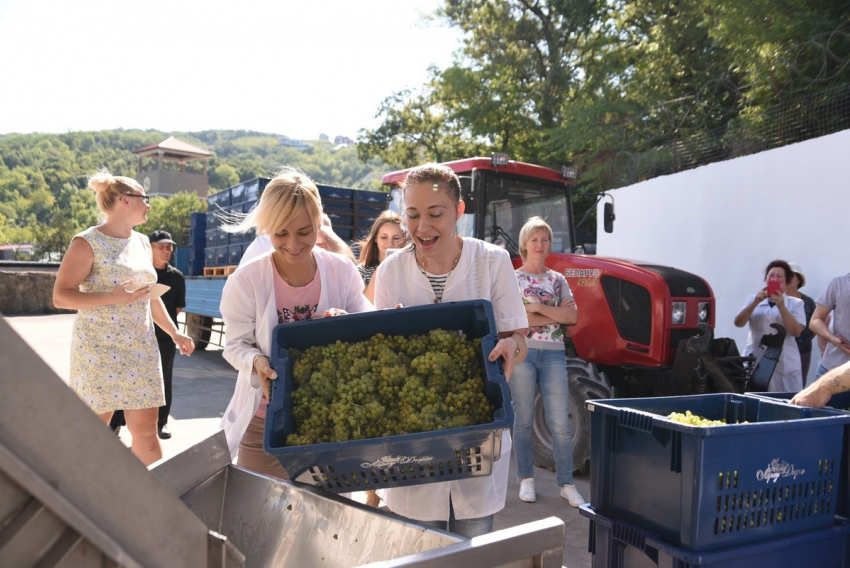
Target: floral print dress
[{"x": 115, "y": 360}]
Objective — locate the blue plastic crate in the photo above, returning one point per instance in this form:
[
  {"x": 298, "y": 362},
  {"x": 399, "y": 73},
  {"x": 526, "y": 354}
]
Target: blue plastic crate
[
  {"x": 366, "y": 221},
  {"x": 211, "y": 236},
  {"x": 237, "y": 194},
  {"x": 615, "y": 544},
  {"x": 234, "y": 254},
  {"x": 198, "y": 220},
  {"x": 339, "y": 219},
  {"x": 336, "y": 198},
  {"x": 840, "y": 402},
  {"x": 222, "y": 238},
  {"x": 370, "y": 210},
  {"x": 343, "y": 233},
  {"x": 221, "y": 198},
  {"x": 705, "y": 488},
  {"x": 221, "y": 255},
  {"x": 213, "y": 221},
  {"x": 248, "y": 205},
  {"x": 393, "y": 461},
  {"x": 209, "y": 256},
  {"x": 375, "y": 198},
  {"x": 335, "y": 193},
  {"x": 252, "y": 190}
]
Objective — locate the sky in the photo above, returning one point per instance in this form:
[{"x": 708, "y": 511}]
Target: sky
[{"x": 295, "y": 68}]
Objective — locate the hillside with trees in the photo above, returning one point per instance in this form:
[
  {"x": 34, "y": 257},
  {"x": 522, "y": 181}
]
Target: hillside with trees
[{"x": 44, "y": 198}]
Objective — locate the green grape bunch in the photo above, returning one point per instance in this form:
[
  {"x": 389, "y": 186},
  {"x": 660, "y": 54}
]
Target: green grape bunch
[
  {"x": 694, "y": 420},
  {"x": 387, "y": 386}
]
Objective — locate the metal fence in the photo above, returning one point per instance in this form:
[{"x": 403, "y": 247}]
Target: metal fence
[{"x": 724, "y": 120}]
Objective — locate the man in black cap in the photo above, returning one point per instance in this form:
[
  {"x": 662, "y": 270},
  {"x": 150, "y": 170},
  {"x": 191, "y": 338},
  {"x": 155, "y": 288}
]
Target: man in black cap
[{"x": 175, "y": 300}]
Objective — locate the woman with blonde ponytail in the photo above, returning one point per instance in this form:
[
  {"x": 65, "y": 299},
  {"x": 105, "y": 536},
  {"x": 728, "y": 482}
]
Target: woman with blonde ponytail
[{"x": 105, "y": 276}]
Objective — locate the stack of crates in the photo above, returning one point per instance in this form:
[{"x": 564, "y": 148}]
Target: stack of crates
[
  {"x": 223, "y": 249},
  {"x": 197, "y": 244},
  {"x": 352, "y": 211},
  {"x": 762, "y": 489}
]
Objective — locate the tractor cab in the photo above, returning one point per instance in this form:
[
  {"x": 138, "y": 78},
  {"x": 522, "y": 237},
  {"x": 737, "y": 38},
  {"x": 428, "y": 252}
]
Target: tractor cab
[{"x": 500, "y": 195}]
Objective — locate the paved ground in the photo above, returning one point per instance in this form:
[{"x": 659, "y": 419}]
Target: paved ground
[{"x": 203, "y": 384}]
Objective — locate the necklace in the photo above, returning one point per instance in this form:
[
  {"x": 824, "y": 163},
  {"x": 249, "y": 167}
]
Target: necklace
[
  {"x": 283, "y": 275},
  {"x": 438, "y": 282}
]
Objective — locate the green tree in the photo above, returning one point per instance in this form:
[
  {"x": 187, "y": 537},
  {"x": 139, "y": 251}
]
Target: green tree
[{"x": 172, "y": 214}]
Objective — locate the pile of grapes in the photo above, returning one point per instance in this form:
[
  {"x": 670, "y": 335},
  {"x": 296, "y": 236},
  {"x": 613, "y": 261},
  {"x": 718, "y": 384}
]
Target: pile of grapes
[
  {"x": 694, "y": 420},
  {"x": 386, "y": 386}
]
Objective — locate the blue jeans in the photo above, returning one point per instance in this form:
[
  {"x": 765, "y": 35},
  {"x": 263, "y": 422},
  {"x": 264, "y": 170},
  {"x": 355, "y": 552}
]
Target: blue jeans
[
  {"x": 463, "y": 527},
  {"x": 821, "y": 371},
  {"x": 547, "y": 370}
]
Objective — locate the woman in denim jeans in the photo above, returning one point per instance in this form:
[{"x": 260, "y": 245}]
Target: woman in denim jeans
[{"x": 549, "y": 305}]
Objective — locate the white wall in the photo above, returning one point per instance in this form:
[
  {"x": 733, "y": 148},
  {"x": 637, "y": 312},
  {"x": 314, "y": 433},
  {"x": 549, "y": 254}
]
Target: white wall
[{"x": 727, "y": 221}]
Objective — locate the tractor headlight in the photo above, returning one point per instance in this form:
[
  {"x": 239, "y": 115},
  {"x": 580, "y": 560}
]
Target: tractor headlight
[
  {"x": 704, "y": 312},
  {"x": 679, "y": 313}
]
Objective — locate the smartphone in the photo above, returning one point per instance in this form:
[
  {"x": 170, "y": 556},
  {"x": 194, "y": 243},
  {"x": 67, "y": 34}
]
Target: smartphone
[{"x": 775, "y": 285}]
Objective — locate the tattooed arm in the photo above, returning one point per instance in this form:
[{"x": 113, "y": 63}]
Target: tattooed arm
[{"x": 818, "y": 393}]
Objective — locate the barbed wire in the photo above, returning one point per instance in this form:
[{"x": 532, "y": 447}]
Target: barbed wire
[{"x": 801, "y": 94}]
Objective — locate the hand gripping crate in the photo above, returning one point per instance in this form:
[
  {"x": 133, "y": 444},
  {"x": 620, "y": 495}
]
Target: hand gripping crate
[
  {"x": 392, "y": 461},
  {"x": 840, "y": 402},
  {"x": 704, "y": 488},
  {"x": 615, "y": 544}
]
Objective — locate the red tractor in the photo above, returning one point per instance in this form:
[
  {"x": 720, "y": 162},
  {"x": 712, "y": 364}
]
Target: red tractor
[{"x": 643, "y": 329}]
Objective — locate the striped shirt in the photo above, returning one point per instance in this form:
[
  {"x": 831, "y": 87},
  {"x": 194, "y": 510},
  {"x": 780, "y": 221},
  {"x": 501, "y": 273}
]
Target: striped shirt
[
  {"x": 438, "y": 283},
  {"x": 836, "y": 297},
  {"x": 366, "y": 273}
]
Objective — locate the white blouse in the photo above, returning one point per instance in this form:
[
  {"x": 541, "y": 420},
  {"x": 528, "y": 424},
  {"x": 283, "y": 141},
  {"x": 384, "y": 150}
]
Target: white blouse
[
  {"x": 788, "y": 375},
  {"x": 249, "y": 311},
  {"x": 484, "y": 271}
]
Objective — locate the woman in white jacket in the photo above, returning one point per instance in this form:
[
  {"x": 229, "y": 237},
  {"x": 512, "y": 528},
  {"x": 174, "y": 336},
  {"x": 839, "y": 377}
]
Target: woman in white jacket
[
  {"x": 440, "y": 266},
  {"x": 293, "y": 281}
]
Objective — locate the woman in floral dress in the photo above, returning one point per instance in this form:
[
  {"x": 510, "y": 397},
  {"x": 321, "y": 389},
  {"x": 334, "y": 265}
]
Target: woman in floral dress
[
  {"x": 549, "y": 305},
  {"x": 105, "y": 276}
]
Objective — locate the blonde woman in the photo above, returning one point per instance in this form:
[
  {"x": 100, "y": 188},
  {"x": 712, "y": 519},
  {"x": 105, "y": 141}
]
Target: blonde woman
[
  {"x": 115, "y": 361},
  {"x": 292, "y": 281},
  {"x": 549, "y": 305}
]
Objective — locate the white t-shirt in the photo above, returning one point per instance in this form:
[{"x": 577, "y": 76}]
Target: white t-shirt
[{"x": 484, "y": 271}]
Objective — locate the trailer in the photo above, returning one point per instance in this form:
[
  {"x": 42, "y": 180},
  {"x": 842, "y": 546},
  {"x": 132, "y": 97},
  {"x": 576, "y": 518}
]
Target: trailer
[{"x": 213, "y": 253}]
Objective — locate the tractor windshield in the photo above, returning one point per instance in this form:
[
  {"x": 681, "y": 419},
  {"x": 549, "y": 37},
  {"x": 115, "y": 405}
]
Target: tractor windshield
[{"x": 505, "y": 203}]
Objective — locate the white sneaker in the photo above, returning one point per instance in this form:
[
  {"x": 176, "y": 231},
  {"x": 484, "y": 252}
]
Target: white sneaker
[
  {"x": 526, "y": 490},
  {"x": 571, "y": 494}
]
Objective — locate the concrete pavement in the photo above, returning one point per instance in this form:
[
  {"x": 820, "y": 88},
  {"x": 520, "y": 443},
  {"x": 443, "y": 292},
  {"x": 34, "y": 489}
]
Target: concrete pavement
[{"x": 203, "y": 385}]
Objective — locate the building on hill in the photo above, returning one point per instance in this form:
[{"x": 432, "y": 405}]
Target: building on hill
[
  {"x": 165, "y": 182},
  {"x": 292, "y": 143},
  {"x": 20, "y": 251},
  {"x": 344, "y": 140},
  {"x": 323, "y": 137}
]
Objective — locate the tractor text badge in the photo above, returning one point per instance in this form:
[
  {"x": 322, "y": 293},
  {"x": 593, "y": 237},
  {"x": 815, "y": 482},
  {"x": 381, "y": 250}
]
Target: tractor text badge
[
  {"x": 390, "y": 461},
  {"x": 585, "y": 276},
  {"x": 777, "y": 469}
]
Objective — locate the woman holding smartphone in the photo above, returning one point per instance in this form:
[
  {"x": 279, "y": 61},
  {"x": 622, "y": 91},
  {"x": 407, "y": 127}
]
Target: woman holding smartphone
[{"x": 771, "y": 305}]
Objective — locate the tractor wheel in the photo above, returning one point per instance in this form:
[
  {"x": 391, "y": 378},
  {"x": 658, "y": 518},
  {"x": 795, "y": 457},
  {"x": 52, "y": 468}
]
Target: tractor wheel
[
  {"x": 586, "y": 383},
  {"x": 195, "y": 325}
]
